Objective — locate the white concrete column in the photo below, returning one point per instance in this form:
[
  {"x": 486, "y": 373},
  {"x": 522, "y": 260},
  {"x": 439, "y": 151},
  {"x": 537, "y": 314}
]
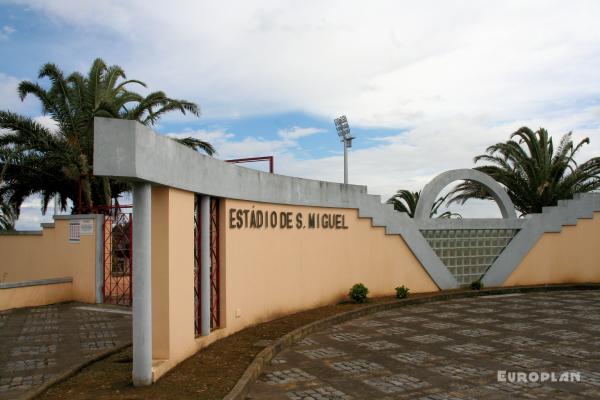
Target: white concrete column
[
  {"x": 205, "y": 265},
  {"x": 142, "y": 284}
]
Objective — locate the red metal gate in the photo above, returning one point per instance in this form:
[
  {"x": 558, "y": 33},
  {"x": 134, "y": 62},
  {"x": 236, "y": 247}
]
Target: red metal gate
[
  {"x": 118, "y": 254},
  {"x": 215, "y": 312}
]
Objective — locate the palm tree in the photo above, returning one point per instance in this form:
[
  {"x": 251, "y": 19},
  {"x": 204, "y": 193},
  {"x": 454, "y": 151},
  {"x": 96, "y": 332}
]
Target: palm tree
[
  {"x": 533, "y": 172},
  {"x": 59, "y": 164},
  {"x": 406, "y": 201},
  {"x": 7, "y": 217}
]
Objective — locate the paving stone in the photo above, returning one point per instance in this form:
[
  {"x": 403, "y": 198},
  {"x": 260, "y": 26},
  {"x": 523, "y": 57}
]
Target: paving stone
[
  {"x": 440, "y": 325},
  {"x": 471, "y": 348},
  {"x": 518, "y": 326},
  {"x": 25, "y": 365},
  {"x": 462, "y": 371},
  {"x": 380, "y": 345},
  {"x": 20, "y": 351},
  {"x": 451, "y": 350},
  {"x": 38, "y": 343},
  {"x": 481, "y": 320},
  {"x": 519, "y": 341},
  {"x": 99, "y": 345},
  {"x": 553, "y": 321},
  {"x": 589, "y": 316},
  {"x": 514, "y": 315},
  {"x": 287, "y": 376},
  {"x": 308, "y": 342},
  {"x": 591, "y": 378},
  {"x": 417, "y": 357},
  {"x": 572, "y": 352},
  {"x": 445, "y": 396},
  {"x": 50, "y": 337},
  {"x": 349, "y": 337},
  {"x": 387, "y": 314},
  {"x": 478, "y": 332},
  {"x": 396, "y": 383},
  {"x": 321, "y": 393},
  {"x": 564, "y": 334},
  {"x": 453, "y": 306},
  {"x": 524, "y": 361},
  {"x": 96, "y": 326},
  {"x": 594, "y": 328},
  {"x": 325, "y": 352},
  {"x": 395, "y": 330},
  {"x": 481, "y": 310},
  {"x": 421, "y": 310},
  {"x": 450, "y": 314},
  {"x": 356, "y": 367},
  {"x": 97, "y": 335},
  {"x": 28, "y": 329},
  {"x": 373, "y": 324},
  {"x": 429, "y": 338},
  {"x": 409, "y": 319}
]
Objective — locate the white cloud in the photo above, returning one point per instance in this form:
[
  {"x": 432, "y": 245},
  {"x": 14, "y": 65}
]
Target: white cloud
[
  {"x": 296, "y": 132},
  {"x": 455, "y": 76},
  {"x": 410, "y": 159},
  {"x": 6, "y": 32},
  {"x": 47, "y": 122},
  {"x": 9, "y": 97},
  {"x": 229, "y": 147},
  {"x": 388, "y": 63}
]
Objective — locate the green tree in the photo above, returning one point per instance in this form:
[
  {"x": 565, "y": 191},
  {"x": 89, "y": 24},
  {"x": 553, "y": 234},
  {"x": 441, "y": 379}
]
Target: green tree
[
  {"x": 406, "y": 201},
  {"x": 59, "y": 163},
  {"x": 7, "y": 217},
  {"x": 533, "y": 172}
]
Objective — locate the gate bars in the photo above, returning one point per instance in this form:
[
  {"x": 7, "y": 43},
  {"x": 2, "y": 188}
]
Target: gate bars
[
  {"x": 215, "y": 313},
  {"x": 118, "y": 254}
]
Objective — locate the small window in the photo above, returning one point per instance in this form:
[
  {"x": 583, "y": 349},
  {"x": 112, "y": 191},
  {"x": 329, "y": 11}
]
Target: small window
[{"x": 74, "y": 232}]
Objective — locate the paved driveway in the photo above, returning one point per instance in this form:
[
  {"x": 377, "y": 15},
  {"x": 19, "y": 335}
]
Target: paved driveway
[
  {"x": 448, "y": 350},
  {"x": 39, "y": 343}
]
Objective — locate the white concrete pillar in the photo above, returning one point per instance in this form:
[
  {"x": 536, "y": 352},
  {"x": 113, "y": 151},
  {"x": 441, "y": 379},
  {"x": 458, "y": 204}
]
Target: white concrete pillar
[
  {"x": 142, "y": 284},
  {"x": 205, "y": 265}
]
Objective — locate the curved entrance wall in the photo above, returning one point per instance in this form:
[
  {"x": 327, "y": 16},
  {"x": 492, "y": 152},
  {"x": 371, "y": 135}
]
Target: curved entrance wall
[
  {"x": 277, "y": 271},
  {"x": 268, "y": 271}
]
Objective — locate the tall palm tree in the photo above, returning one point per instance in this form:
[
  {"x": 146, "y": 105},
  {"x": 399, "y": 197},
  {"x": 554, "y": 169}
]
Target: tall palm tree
[
  {"x": 59, "y": 164},
  {"x": 7, "y": 217},
  {"x": 406, "y": 201},
  {"x": 533, "y": 172}
]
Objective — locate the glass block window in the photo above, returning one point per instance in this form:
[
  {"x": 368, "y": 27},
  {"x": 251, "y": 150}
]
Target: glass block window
[{"x": 468, "y": 253}]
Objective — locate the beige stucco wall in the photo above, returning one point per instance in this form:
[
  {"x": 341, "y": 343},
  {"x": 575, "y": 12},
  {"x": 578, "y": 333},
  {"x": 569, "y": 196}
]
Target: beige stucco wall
[
  {"x": 571, "y": 256},
  {"x": 172, "y": 276},
  {"x": 50, "y": 255},
  {"x": 273, "y": 272},
  {"x": 265, "y": 273},
  {"x": 32, "y": 296}
]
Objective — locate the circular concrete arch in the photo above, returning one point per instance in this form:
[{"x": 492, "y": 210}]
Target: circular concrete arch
[{"x": 437, "y": 184}]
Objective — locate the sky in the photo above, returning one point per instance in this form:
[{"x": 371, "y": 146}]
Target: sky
[{"x": 426, "y": 85}]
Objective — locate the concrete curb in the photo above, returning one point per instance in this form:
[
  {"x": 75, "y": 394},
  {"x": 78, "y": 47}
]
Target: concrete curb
[
  {"x": 256, "y": 367},
  {"x": 33, "y": 393}
]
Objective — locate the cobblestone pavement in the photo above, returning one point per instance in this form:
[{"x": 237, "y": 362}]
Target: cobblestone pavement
[
  {"x": 448, "y": 350},
  {"x": 38, "y": 343}
]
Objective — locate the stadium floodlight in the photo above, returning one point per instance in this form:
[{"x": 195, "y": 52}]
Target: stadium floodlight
[{"x": 343, "y": 131}]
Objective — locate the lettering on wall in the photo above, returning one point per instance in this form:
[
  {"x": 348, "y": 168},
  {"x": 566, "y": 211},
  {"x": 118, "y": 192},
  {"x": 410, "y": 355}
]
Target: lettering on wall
[{"x": 245, "y": 218}]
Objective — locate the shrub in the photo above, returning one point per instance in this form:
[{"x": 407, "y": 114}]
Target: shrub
[
  {"x": 358, "y": 293},
  {"x": 477, "y": 285},
  {"x": 402, "y": 292}
]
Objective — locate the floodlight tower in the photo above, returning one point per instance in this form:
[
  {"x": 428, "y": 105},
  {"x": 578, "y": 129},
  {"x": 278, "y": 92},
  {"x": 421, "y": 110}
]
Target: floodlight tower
[{"x": 343, "y": 131}]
